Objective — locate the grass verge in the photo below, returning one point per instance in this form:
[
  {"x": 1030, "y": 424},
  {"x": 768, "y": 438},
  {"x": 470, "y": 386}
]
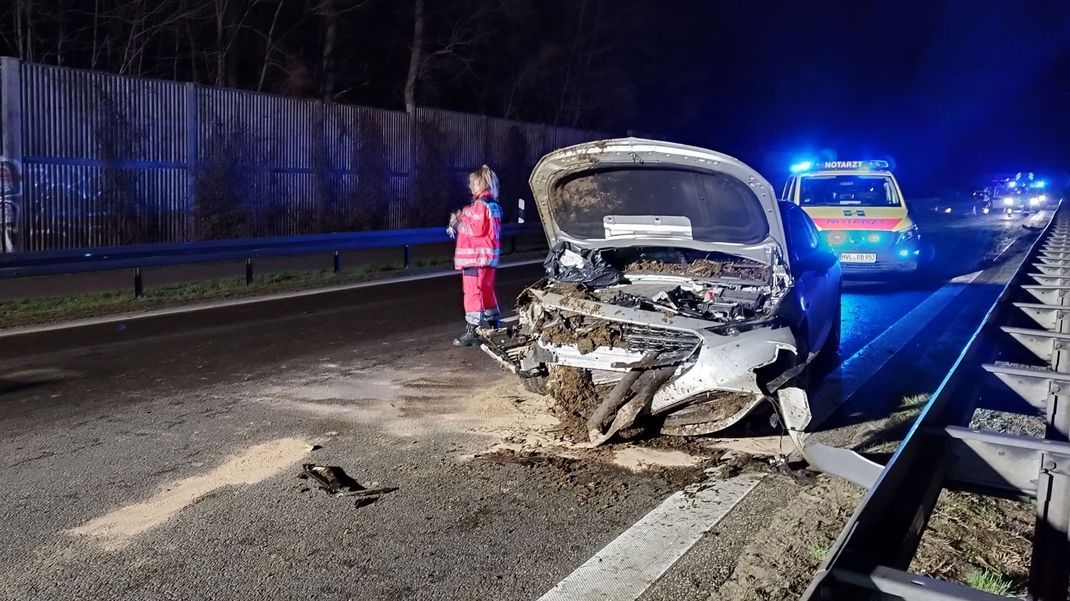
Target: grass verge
[
  {"x": 53, "y": 309},
  {"x": 989, "y": 582}
]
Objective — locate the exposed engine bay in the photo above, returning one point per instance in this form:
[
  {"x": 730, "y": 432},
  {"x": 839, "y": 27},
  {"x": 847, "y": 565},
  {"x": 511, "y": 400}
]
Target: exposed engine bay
[
  {"x": 668, "y": 339},
  {"x": 680, "y": 294}
]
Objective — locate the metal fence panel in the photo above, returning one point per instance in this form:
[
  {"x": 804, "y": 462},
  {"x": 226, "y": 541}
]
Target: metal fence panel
[
  {"x": 111, "y": 160},
  {"x": 75, "y": 114}
]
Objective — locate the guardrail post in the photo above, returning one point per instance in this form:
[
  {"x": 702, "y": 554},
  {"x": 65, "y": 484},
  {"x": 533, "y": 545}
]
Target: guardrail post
[
  {"x": 408, "y": 256},
  {"x": 248, "y": 271},
  {"x": 139, "y": 287},
  {"x": 337, "y": 262}
]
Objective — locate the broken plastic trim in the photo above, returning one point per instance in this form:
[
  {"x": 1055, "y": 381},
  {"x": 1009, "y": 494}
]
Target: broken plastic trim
[{"x": 643, "y": 384}]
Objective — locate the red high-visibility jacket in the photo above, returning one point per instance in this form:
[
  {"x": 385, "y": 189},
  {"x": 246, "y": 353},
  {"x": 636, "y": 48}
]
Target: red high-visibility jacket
[{"x": 479, "y": 229}]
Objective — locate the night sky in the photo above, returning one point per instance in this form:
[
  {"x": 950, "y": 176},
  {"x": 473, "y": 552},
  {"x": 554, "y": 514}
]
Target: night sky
[{"x": 953, "y": 91}]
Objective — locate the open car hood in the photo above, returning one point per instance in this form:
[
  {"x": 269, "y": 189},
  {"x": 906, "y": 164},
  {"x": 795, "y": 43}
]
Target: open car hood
[{"x": 634, "y": 192}]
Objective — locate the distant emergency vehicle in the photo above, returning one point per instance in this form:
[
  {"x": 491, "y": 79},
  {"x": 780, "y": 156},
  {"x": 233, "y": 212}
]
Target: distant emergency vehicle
[
  {"x": 1023, "y": 193},
  {"x": 860, "y": 211}
]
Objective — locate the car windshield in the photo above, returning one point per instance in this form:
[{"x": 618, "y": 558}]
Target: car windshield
[
  {"x": 658, "y": 202},
  {"x": 848, "y": 190}
]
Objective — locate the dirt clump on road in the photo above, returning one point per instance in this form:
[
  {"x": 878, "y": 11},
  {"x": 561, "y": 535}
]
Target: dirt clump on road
[
  {"x": 585, "y": 478},
  {"x": 575, "y": 397},
  {"x": 591, "y": 479}
]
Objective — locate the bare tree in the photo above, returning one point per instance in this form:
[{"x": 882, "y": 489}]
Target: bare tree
[
  {"x": 269, "y": 45},
  {"x": 415, "y": 56},
  {"x": 230, "y": 17},
  {"x": 24, "y": 28},
  {"x": 448, "y": 51}
]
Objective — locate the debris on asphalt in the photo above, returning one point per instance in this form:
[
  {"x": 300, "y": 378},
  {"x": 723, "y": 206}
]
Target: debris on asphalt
[{"x": 335, "y": 481}]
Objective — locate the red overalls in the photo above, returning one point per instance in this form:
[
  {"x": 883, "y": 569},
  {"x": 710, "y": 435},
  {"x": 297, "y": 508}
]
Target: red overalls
[{"x": 479, "y": 227}]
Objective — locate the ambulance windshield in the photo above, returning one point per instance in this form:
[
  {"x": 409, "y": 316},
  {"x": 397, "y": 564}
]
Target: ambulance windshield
[{"x": 848, "y": 191}]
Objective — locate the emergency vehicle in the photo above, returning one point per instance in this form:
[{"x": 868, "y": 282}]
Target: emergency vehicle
[
  {"x": 860, "y": 211},
  {"x": 1023, "y": 193}
]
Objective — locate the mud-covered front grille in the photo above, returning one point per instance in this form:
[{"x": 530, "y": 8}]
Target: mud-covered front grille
[{"x": 651, "y": 338}]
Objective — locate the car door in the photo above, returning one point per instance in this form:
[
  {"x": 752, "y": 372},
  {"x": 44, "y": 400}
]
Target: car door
[{"x": 816, "y": 272}]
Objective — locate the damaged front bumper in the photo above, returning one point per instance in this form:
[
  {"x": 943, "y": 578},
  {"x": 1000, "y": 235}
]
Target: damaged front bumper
[{"x": 708, "y": 375}]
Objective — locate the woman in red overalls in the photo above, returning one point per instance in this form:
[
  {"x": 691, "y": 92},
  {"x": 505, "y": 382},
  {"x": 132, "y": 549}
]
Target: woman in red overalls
[{"x": 478, "y": 229}]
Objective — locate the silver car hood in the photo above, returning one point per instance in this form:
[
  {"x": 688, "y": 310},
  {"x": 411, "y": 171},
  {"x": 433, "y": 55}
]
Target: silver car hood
[{"x": 640, "y": 154}]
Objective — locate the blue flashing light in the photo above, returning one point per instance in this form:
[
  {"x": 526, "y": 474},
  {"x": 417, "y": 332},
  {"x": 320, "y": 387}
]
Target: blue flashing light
[
  {"x": 802, "y": 166},
  {"x": 904, "y": 253},
  {"x": 1040, "y": 183},
  {"x": 1012, "y": 184}
]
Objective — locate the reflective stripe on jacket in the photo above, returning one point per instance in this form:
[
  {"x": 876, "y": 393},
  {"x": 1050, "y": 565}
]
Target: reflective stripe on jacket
[{"x": 479, "y": 228}]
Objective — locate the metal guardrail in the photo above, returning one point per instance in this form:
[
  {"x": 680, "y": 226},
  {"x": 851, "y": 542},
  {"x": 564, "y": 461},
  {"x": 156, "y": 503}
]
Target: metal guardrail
[
  {"x": 873, "y": 553},
  {"x": 136, "y": 257}
]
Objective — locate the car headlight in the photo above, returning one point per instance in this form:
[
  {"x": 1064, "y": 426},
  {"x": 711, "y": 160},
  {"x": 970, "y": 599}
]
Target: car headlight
[
  {"x": 907, "y": 235},
  {"x": 1008, "y": 201}
]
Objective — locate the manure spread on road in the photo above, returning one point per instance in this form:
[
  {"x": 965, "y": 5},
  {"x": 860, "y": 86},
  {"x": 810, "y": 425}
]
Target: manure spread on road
[
  {"x": 416, "y": 399},
  {"x": 116, "y": 530}
]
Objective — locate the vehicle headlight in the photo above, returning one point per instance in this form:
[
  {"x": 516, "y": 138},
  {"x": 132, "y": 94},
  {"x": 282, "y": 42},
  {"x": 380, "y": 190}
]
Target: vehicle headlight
[
  {"x": 1008, "y": 201},
  {"x": 907, "y": 235}
]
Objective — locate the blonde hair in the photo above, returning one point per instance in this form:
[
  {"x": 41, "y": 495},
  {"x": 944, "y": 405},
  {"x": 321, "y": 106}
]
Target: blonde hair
[{"x": 486, "y": 177}]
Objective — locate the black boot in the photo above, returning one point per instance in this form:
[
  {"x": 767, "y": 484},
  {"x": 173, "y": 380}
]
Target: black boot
[{"x": 469, "y": 338}]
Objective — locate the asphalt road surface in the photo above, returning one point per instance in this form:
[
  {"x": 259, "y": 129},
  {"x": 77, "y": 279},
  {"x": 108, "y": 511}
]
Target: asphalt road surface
[{"x": 158, "y": 458}]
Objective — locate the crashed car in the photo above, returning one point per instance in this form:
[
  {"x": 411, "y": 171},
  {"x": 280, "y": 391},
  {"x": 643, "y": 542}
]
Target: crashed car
[{"x": 677, "y": 286}]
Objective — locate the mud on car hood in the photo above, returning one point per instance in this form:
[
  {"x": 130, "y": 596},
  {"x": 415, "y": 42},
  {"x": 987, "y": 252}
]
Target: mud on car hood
[{"x": 634, "y": 192}]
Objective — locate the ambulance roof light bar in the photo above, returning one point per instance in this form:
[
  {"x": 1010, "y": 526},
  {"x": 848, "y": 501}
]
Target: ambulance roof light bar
[{"x": 872, "y": 164}]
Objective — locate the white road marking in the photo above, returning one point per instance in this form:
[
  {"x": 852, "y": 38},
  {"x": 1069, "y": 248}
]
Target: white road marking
[
  {"x": 627, "y": 566},
  {"x": 125, "y": 317}
]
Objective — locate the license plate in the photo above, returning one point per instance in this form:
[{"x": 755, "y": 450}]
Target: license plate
[{"x": 858, "y": 258}]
